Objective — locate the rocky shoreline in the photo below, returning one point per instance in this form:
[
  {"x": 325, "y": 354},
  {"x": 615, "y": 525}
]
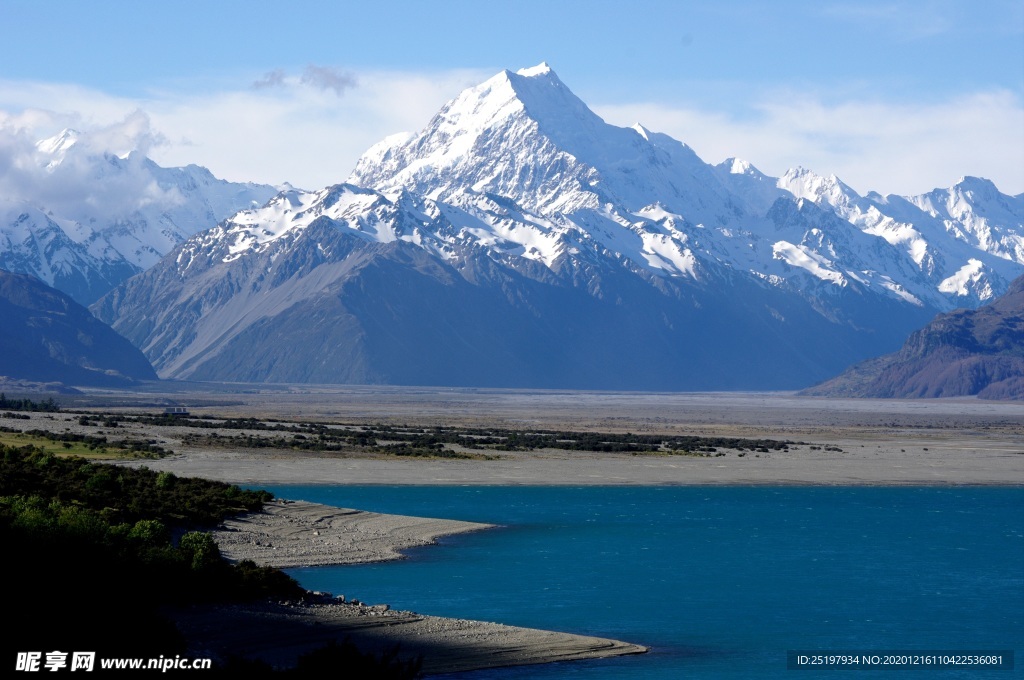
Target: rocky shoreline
[
  {"x": 279, "y": 633},
  {"x": 300, "y": 534}
]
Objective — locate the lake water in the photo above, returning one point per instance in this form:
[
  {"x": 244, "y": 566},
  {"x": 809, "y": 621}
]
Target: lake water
[{"x": 718, "y": 582}]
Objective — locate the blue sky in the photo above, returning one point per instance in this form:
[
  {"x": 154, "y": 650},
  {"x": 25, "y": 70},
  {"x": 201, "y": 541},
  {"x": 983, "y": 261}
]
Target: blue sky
[{"x": 890, "y": 96}]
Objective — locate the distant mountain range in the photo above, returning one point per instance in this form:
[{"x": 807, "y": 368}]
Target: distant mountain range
[
  {"x": 100, "y": 218},
  {"x": 961, "y": 353},
  {"x": 520, "y": 241},
  {"x": 46, "y": 336}
]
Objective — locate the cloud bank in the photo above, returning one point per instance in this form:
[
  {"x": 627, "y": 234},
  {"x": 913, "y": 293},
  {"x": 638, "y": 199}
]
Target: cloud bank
[
  {"x": 871, "y": 145},
  {"x": 308, "y": 128},
  {"x": 62, "y": 177}
]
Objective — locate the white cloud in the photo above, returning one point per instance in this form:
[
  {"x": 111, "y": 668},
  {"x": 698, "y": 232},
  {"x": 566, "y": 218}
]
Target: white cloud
[
  {"x": 870, "y": 145},
  {"x": 322, "y": 77},
  {"x": 307, "y": 129},
  {"x": 276, "y": 128},
  {"x": 308, "y": 136},
  {"x": 65, "y": 183}
]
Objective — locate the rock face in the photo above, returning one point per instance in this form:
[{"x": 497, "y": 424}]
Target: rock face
[
  {"x": 964, "y": 352},
  {"x": 520, "y": 241},
  {"x": 327, "y": 304},
  {"x": 47, "y": 336}
]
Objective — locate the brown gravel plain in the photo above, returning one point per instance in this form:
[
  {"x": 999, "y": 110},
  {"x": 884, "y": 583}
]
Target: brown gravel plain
[{"x": 858, "y": 441}]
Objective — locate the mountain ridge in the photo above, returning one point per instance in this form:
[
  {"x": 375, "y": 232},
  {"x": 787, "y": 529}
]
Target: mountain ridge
[
  {"x": 679, "y": 263},
  {"x": 94, "y": 219},
  {"x": 966, "y": 352}
]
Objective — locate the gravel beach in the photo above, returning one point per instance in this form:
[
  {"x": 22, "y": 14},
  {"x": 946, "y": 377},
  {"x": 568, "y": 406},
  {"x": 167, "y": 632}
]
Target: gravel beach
[
  {"x": 279, "y": 633},
  {"x": 300, "y": 534},
  {"x": 297, "y": 533}
]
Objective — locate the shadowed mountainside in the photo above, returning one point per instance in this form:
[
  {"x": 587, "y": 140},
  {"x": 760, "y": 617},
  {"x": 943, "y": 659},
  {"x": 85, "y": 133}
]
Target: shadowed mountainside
[
  {"x": 47, "y": 336},
  {"x": 964, "y": 352}
]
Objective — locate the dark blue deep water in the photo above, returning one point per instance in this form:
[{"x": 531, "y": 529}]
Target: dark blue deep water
[{"x": 719, "y": 582}]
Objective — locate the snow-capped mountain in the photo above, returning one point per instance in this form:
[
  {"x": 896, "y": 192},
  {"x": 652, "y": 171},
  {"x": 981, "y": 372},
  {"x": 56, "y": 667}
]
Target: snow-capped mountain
[
  {"x": 519, "y": 240},
  {"x": 966, "y": 242},
  {"x": 350, "y": 285},
  {"x": 93, "y": 220},
  {"x": 525, "y": 136}
]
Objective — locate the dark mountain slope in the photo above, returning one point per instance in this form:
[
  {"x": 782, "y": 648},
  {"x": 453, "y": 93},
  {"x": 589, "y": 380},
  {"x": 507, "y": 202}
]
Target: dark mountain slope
[
  {"x": 47, "y": 336},
  {"x": 324, "y": 305},
  {"x": 964, "y": 352}
]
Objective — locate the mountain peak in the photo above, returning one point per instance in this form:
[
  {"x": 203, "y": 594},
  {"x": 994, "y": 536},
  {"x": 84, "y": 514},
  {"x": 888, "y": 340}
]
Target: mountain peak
[
  {"x": 56, "y": 148},
  {"x": 59, "y": 143},
  {"x": 977, "y": 186},
  {"x": 642, "y": 131},
  {"x": 483, "y": 137},
  {"x": 804, "y": 183},
  {"x": 541, "y": 69},
  {"x": 546, "y": 98},
  {"x": 972, "y": 181},
  {"x": 526, "y": 136},
  {"x": 738, "y": 166}
]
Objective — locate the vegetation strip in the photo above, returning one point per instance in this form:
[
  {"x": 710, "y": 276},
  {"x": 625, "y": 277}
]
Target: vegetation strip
[
  {"x": 432, "y": 441},
  {"x": 86, "y": 444},
  {"x": 47, "y": 405},
  {"x": 130, "y": 543},
  {"x": 402, "y": 440}
]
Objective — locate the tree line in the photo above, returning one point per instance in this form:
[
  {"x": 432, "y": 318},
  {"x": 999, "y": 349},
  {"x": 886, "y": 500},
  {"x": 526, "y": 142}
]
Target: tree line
[
  {"x": 406, "y": 440},
  {"x": 46, "y": 405},
  {"x": 96, "y": 552}
]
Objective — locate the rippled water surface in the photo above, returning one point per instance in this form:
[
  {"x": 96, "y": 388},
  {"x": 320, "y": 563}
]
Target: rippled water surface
[{"x": 719, "y": 582}]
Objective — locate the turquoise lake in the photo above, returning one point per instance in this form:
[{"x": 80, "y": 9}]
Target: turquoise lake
[{"x": 718, "y": 581}]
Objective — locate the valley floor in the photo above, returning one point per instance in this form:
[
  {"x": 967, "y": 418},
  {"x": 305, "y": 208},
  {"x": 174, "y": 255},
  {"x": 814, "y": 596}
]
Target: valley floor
[
  {"x": 838, "y": 442},
  {"x": 874, "y": 460},
  {"x": 842, "y": 441}
]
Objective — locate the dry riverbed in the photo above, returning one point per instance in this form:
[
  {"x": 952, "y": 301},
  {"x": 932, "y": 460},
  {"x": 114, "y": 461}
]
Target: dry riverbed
[{"x": 841, "y": 442}]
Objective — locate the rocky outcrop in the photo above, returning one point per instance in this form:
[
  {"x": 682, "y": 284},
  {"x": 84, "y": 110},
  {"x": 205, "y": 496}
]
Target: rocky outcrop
[{"x": 965, "y": 352}]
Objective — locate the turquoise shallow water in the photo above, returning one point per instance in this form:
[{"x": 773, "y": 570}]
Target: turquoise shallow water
[{"x": 719, "y": 582}]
